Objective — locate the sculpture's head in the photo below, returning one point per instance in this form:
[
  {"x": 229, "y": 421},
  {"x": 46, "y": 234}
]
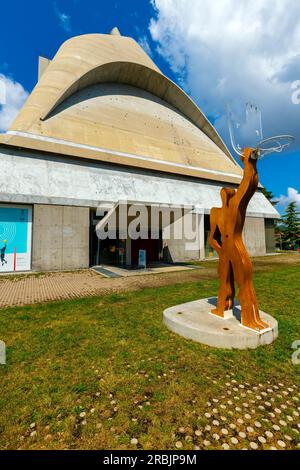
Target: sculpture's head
[
  {"x": 226, "y": 195},
  {"x": 250, "y": 155}
]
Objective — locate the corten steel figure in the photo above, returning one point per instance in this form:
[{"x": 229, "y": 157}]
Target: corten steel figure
[{"x": 225, "y": 237}]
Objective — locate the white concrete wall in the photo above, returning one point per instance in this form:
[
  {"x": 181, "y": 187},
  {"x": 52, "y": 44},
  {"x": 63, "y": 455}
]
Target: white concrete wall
[
  {"x": 254, "y": 236},
  {"x": 44, "y": 179},
  {"x": 60, "y": 237},
  {"x": 176, "y": 250}
]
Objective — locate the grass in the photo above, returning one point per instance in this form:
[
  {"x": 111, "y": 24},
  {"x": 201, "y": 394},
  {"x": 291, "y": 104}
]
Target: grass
[{"x": 113, "y": 360}]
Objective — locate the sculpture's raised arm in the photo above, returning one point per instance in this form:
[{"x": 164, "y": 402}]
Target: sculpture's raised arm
[{"x": 249, "y": 182}]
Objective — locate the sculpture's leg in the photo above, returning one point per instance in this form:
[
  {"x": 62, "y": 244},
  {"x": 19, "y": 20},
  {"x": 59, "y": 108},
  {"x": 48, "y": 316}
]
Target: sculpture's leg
[
  {"x": 226, "y": 289},
  {"x": 251, "y": 291},
  {"x": 243, "y": 274},
  {"x": 252, "y": 295},
  {"x": 250, "y": 314},
  {"x": 231, "y": 289}
]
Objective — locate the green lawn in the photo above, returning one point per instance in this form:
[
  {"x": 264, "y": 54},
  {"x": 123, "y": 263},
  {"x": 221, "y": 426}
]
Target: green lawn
[{"x": 97, "y": 372}]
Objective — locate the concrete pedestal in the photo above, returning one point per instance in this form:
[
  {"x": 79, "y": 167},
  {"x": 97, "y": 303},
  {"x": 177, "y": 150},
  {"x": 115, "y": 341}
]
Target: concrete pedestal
[{"x": 194, "y": 321}]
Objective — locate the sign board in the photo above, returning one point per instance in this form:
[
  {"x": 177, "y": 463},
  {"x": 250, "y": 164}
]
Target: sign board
[
  {"x": 15, "y": 238},
  {"x": 142, "y": 259}
]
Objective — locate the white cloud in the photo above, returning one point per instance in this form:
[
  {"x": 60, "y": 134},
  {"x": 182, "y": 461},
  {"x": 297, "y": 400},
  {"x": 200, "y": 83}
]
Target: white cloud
[
  {"x": 144, "y": 43},
  {"x": 12, "y": 99},
  {"x": 292, "y": 196},
  {"x": 2, "y": 92},
  {"x": 64, "y": 19},
  {"x": 234, "y": 51}
]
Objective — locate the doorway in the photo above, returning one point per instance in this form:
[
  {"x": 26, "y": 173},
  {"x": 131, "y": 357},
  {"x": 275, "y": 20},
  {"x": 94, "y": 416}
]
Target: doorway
[{"x": 153, "y": 248}]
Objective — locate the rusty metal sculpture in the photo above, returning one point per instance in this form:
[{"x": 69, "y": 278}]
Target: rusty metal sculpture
[
  {"x": 227, "y": 222},
  {"x": 225, "y": 237}
]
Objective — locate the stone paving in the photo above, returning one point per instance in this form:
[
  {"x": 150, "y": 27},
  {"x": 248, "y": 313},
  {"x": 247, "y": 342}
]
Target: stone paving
[
  {"x": 260, "y": 417},
  {"x": 17, "y": 290},
  {"x": 46, "y": 287},
  {"x": 242, "y": 417}
]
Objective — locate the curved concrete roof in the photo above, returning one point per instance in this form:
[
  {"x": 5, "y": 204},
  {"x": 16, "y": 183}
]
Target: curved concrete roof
[{"x": 93, "y": 59}]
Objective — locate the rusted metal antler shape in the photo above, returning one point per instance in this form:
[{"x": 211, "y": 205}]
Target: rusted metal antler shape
[{"x": 226, "y": 227}]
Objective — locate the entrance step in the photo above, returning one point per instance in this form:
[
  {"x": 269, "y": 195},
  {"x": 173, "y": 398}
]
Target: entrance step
[
  {"x": 105, "y": 272},
  {"x": 156, "y": 268}
]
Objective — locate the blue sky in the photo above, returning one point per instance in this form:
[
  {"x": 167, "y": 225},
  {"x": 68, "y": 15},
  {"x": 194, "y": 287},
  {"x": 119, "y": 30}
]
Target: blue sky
[{"x": 181, "y": 36}]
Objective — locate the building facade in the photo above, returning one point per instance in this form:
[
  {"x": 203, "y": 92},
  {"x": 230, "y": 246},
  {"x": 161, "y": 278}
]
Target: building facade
[{"x": 102, "y": 126}]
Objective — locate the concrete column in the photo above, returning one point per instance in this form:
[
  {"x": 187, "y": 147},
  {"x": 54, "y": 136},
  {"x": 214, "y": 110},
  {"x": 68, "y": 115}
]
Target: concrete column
[
  {"x": 254, "y": 236},
  {"x": 128, "y": 251},
  {"x": 60, "y": 237},
  {"x": 184, "y": 249},
  {"x": 201, "y": 236},
  {"x": 270, "y": 235}
]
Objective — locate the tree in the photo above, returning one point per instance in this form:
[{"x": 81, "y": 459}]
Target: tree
[
  {"x": 270, "y": 196},
  {"x": 291, "y": 226}
]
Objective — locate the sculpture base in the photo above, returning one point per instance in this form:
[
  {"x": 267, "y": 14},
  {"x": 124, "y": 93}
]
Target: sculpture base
[{"x": 194, "y": 320}]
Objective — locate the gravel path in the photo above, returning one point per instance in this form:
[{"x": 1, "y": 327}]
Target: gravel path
[{"x": 35, "y": 288}]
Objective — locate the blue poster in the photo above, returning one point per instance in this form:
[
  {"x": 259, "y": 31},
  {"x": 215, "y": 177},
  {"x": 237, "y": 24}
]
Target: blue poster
[
  {"x": 13, "y": 230},
  {"x": 15, "y": 238}
]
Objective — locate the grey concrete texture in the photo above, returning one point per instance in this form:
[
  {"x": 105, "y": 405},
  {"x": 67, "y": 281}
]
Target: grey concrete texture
[
  {"x": 60, "y": 237},
  {"x": 179, "y": 250},
  {"x": 254, "y": 236},
  {"x": 41, "y": 179},
  {"x": 270, "y": 236},
  {"x": 194, "y": 321},
  {"x": 91, "y": 59}
]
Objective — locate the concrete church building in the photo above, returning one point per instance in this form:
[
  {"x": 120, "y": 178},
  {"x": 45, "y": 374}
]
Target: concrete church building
[{"x": 103, "y": 124}]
